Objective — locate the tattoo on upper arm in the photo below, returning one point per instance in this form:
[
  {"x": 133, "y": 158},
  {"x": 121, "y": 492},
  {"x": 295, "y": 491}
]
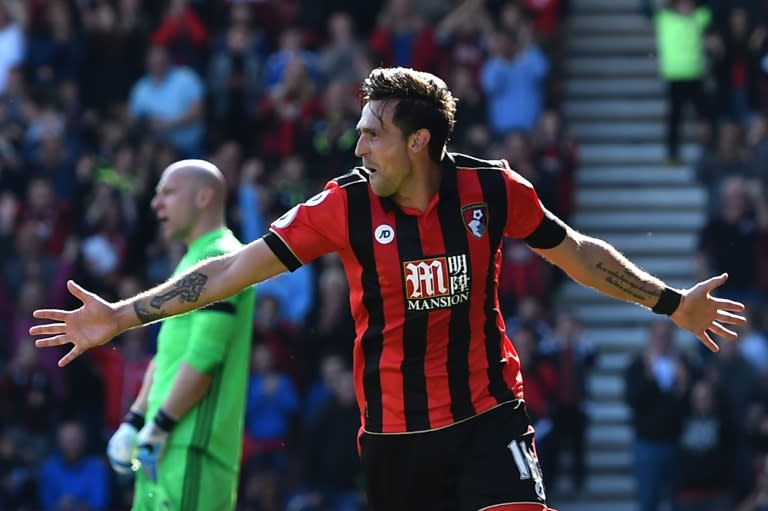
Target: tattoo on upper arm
[
  {"x": 188, "y": 290},
  {"x": 626, "y": 282}
]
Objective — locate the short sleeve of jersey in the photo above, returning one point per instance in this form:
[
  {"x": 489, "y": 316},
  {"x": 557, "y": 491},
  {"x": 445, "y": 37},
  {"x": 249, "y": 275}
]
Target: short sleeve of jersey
[
  {"x": 211, "y": 333},
  {"x": 524, "y": 209},
  {"x": 310, "y": 229}
]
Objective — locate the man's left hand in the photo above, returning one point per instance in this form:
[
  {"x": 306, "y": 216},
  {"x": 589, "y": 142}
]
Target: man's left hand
[{"x": 703, "y": 314}]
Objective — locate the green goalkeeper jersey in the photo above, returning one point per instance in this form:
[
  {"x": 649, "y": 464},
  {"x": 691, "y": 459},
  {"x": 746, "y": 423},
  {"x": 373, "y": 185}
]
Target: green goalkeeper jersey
[{"x": 215, "y": 340}]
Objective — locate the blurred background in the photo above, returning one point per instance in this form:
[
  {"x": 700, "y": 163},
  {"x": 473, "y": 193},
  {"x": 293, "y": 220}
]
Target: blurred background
[{"x": 638, "y": 121}]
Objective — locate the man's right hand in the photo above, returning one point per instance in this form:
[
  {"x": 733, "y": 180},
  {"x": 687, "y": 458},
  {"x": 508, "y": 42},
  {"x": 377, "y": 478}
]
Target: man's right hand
[
  {"x": 92, "y": 324},
  {"x": 120, "y": 449}
]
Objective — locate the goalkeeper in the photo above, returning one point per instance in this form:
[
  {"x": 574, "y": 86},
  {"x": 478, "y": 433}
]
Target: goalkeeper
[{"x": 183, "y": 434}]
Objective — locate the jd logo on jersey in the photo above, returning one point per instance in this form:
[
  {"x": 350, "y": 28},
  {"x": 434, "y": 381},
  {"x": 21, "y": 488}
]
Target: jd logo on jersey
[{"x": 476, "y": 218}]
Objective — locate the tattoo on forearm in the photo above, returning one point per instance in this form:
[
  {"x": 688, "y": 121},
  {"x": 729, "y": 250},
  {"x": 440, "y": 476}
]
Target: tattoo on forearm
[
  {"x": 187, "y": 290},
  {"x": 627, "y": 283},
  {"x": 145, "y": 315}
]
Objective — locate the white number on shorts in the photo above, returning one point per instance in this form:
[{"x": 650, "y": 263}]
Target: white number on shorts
[{"x": 524, "y": 459}]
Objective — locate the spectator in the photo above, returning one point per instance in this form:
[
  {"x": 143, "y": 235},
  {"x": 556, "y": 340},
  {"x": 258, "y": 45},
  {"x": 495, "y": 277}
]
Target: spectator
[
  {"x": 402, "y": 37},
  {"x": 17, "y": 482},
  {"x": 332, "y": 135},
  {"x": 55, "y": 52},
  {"x": 320, "y": 392},
  {"x": 168, "y": 102},
  {"x": 462, "y": 36},
  {"x": 728, "y": 241},
  {"x": 729, "y": 159},
  {"x": 680, "y": 40},
  {"x": 736, "y": 64},
  {"x": 741, "y": 398},
  {"x": 332, "y": 467},
  {"x": 341, "y": 48},
  {"x": 115, "y": 41},
  {"x": 332, "y": 329},
  {"x": 270, "y": 409},
  {"x": 280, "y": 337},
  {"x": 471, "y": 109},
  {"x": 12, "y": 43},
  {"x": 28, "y": 401},
  {"x": 541, "y": 383},
  {"x": 523, "y": 275},
  {"x": 573, "y": 357},
  {"x": 512, "y": 79},
  {"x": 705, "y": 458},
  {"x": 72, "y": 479},
  {"x": 183, "y": 34},
  {"x": 657, "y": 388},
  {"x": 292, "y": 49},
  {"x": 754, "y": 343},
  {"x": 287, "y": 111},
  {"x": 555, "y": 156},
  {"x": 235, "y": 83}
]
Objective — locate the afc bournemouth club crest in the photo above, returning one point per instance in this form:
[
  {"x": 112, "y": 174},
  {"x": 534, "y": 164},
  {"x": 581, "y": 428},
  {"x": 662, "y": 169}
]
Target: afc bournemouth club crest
[{"x": 476, "y": 218}]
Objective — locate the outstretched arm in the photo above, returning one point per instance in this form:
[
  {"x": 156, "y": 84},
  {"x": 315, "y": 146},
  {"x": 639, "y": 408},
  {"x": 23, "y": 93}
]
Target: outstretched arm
[
  {"x": 596, "y": 264},
  {"x": 97, "y": 321}
]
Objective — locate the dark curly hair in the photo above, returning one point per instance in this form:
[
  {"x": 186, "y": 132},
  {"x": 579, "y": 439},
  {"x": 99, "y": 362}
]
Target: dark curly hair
[{"x": 423, "y": 102}]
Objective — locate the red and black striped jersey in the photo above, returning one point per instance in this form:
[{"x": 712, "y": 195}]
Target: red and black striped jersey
[{"x": 430, "y": 347}]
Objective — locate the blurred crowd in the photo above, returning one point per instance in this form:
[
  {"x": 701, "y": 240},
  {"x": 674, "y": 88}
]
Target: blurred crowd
[
  {"x": 97, "y": 97},
  {"x": 700, "y": 420}
]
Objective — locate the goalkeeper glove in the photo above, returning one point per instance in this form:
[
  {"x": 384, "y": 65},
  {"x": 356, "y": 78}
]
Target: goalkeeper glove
[
  {"x": 122, "y": 444},
  {"x": 151, "y": 442}
]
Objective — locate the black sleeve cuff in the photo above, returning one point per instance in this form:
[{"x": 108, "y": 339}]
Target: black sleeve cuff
[
  {"x": 281, "y": 250},
  {"x": 225, "y": 307},
  {"x": 549, "y": 234}
]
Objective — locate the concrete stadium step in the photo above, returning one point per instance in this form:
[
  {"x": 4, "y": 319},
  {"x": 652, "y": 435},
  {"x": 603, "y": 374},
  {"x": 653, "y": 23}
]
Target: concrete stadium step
[
  {"x": 614, "y": 315},
  {"x": 594, "y": 222},
  {"x": 615, "y": 362},
  {"x": 576, "y": 294},
  {"x": 609, "y": 131},
  {"x": 614, "y": 88},
  {"x": 616, "y": 154},
  {"x": 608, "y": 412},
  {"x": 653, "y": 244},
  {"x": 602, "y": 385},
  {"x": 607, "y": 22},
  {"x": 610, "y": 434},
  {"x": 597, "y": 487},
  {"x": 613, "y": 67},
  {"x": 609, "y": 461},
  {"x": 608, "y": 45},
  {"x": 626, "y": 341},
  {"x": 676, "y": 198},
  {"x": 587, "y": 6},
  {"x": 594, "y": 177},
  {"x": 587, "y": 504},
  {"x": 610, "y": 110}
]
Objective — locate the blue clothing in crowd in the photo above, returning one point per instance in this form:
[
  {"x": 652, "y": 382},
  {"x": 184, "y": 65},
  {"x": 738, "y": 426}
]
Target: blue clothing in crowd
[
  {"x": 513, "y": 87},
  {"x": 169, "y": 100},
  {"x": 87, "y": 482}
]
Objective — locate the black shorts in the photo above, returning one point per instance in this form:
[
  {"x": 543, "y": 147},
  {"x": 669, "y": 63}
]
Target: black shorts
[{"x": 484, "y": 461}]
